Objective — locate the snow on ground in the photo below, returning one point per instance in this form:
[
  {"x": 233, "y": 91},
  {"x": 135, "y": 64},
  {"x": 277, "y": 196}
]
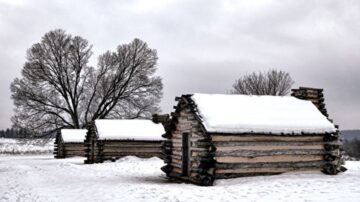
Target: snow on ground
[
  {"x": 43, "y": 178},
  {"x": 26, "y": 146}
]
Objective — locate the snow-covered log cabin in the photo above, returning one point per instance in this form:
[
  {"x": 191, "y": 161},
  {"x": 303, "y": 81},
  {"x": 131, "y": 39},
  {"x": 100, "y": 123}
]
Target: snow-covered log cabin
[
  {"x": 69, "y": 143},
  {"x": 224, "y": 136},
  {"x": 110, "y": 139}
]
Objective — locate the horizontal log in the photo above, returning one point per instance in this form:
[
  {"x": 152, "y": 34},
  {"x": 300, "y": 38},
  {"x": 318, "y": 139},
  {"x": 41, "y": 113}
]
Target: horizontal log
[
  {"x": 185, "y": 127},
  {"x": 309, "y": 89},
  {"x": 274, "y": 158},
  {"x": 198, "y": 149},
  {"x": 72, "y": 143},
  {"x": 198, "y": 153},
  {"x": 120, "y": 154},
  {"x": 143, "y": 150},
  {"x": 132, "y": 145},
  {"x": 176, "y": 152},
  {"x": 176, "y": 165},
  {"x": 197, "y": 135},
  {"x": 254, "y": 153},
  {"x": 131, "y": 142},
  {"x": 308, "y": 96},
  {"x": 74, "y": 148},
  {"x": 178, "y": 149},
  {"x": 265, "y": 170},
  {"x": 267, "y": 138},
  {"x": 317, "y": 101},
  {"x": 179, "y": 145},
  {"x": 252, "y": 143},
  {"x": 177, "y": 170},
  {"x": 76, "y": 151},
  {"x": 274, "y": 164},
  {"x": 173, "y": 156},
  {"x": 175, "y": 140},
  {"x": 268, "y": 148},
  {"x": 236, "y": 175},
  {"x": 178, "y": 161},
  {"x": 73, "y": 155}
]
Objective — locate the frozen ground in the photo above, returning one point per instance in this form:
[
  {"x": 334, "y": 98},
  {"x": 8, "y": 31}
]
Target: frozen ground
[{"x": 42, "y": 178}]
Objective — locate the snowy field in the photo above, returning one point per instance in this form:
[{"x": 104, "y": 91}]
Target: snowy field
[
  {"x": 43, "y": 178},
  {"x": 26, "y": 146}
]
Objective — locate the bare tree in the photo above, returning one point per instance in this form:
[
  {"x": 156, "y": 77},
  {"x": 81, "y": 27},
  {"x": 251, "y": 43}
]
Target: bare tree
[
  {"x": 272, "y": 82},
  {"x": 59, "y": 89}
]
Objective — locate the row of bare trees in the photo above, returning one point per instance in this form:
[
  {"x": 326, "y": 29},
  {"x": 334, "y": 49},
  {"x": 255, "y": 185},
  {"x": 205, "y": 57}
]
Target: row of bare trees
[
  {"x": 272, "y": 82},
  {"x": 352, "y": 147}
]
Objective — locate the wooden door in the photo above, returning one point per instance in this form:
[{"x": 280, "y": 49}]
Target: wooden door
[{"x": 185, "y": 154}]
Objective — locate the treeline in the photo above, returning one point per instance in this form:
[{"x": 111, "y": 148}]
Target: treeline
[
  {"x": 352, "y": 147},
  {"x": 16, "y": 133}
]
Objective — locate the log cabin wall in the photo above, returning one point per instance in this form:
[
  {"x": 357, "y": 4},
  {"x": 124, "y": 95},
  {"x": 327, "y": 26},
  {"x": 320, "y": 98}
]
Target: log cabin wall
[
  {"x": 115, "y": 149},
  {"x": 59, "y": 146},
  {"x": 72, "y": 149},
  {"x": 263, "y": 154},
  {"x": 91, "y": 145},
  {"x": 64, "y": 149},
  {"x": 186, "y": 150},
  {"x": 98, "y": 150},
  {"x": 316, "y": 96}
]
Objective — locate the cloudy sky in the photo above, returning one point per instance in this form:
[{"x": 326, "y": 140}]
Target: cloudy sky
[{"x": 204, "y": 45}]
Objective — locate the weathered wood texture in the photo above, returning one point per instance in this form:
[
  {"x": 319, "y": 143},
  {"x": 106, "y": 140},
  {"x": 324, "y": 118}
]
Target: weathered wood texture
[
  {"x": 91, "y": 145},
  {"x": 239, "y": 155},
  {"x": 67, "y": 149},
  {"x": 199, "y": 167},
  {"x": 316, "y": 96},
  {"x": 98, "y": 151},
  {"x": 58, "y": 146},
  {"x": 216, "y": 156},
  {"x": 115, "y": 149}
]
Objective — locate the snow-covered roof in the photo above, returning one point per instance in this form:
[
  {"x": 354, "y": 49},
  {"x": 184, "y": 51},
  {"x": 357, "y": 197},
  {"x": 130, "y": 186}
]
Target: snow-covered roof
[
  {"x": 73, "y": 135},
  {"x": 120, "y": 129},
  {"x": 260, "y": 114}
]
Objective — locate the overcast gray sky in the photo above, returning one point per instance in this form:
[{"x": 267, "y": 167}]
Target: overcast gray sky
[{"x": 203, "y": 46}]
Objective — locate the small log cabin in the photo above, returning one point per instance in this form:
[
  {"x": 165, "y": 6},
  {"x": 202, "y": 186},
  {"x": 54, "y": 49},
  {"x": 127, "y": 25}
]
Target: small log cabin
[
  {"x": 225, "y": 136},
  {"x": 109, "y": 139},
  {"x": 69, "y": 143}
]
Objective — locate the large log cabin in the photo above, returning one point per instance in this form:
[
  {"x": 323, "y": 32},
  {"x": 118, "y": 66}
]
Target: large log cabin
[
  {"x": 69, "y": 143},
  {"x": 213, "y": 136},
  {"x": 111, "y": 139}
]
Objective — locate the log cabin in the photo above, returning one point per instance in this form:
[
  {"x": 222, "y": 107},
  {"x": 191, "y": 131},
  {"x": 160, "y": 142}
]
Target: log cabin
[
  {"x": 212, "y": 136},
  {"x": 109, "y": 139},
  {"x": 69, "y": 143}
]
